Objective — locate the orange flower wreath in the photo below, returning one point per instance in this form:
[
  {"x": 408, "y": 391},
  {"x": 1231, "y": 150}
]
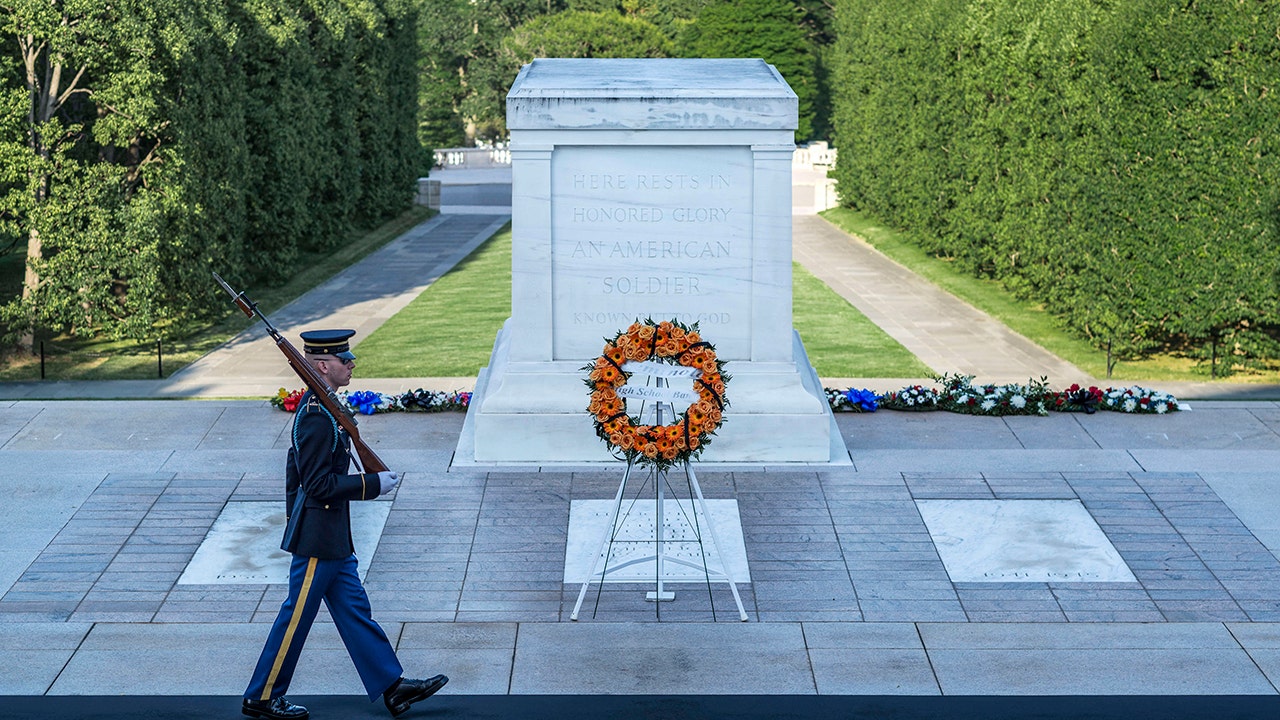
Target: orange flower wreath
[{"x": 661, "y": 445}]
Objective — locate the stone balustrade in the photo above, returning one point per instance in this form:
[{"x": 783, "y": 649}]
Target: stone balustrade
[{"x": 477, "y": 157}]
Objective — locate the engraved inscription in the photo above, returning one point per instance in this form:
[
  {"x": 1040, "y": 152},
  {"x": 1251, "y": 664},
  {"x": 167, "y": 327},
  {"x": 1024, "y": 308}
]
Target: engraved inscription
[
  {"x": 651, "y": 249},
  {"x": 620, "y": 214},
  {"x": 660, "y": 232},
  {"x": 651, "y": 285}
]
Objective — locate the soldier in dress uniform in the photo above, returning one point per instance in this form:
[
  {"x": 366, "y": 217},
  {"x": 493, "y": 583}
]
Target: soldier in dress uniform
[{"x": 319, "y": 490}]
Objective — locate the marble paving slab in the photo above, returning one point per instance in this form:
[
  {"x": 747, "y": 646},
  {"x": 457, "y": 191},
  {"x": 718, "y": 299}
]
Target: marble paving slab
[
  {"x": 243, "y": 546},
  {"x": 1021, "y": 541},
  {"x": 636, "y": 539}
]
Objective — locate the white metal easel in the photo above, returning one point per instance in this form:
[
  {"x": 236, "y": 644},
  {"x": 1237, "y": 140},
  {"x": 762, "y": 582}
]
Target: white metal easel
[{"x": 701, "y": 518}]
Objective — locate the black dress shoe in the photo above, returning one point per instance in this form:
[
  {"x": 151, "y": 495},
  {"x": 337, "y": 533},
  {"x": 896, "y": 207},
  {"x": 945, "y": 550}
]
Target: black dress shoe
[
  {"x": 276, "y": 709},
  {"x": 407, "y": 692}
]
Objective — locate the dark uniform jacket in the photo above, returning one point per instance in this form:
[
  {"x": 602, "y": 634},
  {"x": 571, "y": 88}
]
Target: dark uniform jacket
[{"x": 318, "y": 488}]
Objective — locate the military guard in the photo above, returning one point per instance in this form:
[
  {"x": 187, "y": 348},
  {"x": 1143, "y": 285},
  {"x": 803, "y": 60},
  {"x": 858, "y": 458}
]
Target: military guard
[{"x": 319, "y": 491}]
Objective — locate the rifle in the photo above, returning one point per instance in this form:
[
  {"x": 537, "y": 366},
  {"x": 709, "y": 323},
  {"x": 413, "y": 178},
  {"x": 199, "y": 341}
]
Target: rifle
[{"x": 369, "y": 460}]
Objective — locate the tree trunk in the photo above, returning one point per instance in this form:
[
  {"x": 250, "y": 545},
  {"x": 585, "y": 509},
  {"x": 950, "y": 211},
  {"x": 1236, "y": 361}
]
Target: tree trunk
[
  {"x": 46, "y": 94},
  {"x": 29, "y": 283}
]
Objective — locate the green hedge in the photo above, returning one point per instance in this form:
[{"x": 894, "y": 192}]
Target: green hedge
[
  {"x": 205, "y": 134},
  {"x": 1115, "y": 161}
]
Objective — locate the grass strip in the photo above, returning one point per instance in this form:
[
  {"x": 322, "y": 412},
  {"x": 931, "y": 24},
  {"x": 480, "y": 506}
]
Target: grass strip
[{"x": 448, "y": 330}]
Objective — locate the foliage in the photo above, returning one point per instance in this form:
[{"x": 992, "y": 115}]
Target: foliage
[
  {"x": 960, "y": 395},
  {"x": 580, "y": 34},
  {"x": 181, "y": 135},
  {"x": 912, "y": 397},
  {"x": 458, "y": 42},
  {"x": 568, "y": 34},
  {"x": 767, "y": 29},
  {"x": 469, "y": 56},
  {"x": 1024, "y": 316},
  {"x": 670, "y": 16},
  {"x": 1115, "y": 161}
]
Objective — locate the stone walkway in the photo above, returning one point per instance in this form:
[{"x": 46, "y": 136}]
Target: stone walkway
[
  {"x": 361, "y": 297},
  {"x": 849, "y": 591}
]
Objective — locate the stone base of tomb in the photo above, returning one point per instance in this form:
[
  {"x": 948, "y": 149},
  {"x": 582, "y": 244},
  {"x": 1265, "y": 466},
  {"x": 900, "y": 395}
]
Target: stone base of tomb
[{"x": 535, "y": 414}]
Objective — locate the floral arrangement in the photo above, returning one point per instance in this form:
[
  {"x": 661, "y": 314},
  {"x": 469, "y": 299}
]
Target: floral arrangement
[
  {"x": 852, "y": 400},
  {"x": 914, "y": 397},
  {"x": 287, "y": 401},
  {"x": 1078, "y": 399},
  {"x": 368, "y": 402},
  {"x": 1138, "y": 400},
  {"x": 963, "y": 396},
  {"x": 365, "y": 402},
  {"x": 668, "y": 342},
  {"x": 960, "y": 395}
]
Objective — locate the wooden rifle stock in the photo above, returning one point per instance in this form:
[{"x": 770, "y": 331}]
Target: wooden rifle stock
[{"x": 369, "y": 460}]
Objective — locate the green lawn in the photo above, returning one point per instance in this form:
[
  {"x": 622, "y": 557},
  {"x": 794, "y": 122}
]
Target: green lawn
[
  {"x": 1023, "y": 316},
  {"x": 448, "y": 330}
]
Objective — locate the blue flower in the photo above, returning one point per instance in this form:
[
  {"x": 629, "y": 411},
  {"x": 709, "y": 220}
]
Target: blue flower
[
  {"x": 365, "y": 402},
  {"x": 864, "y": 399}
]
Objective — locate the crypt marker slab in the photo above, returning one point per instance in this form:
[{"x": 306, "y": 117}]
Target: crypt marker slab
[
  {"x": 243, "y": 546},
  {"x": 636, "y": 533},
  {"x": 1021, "y": 541}
]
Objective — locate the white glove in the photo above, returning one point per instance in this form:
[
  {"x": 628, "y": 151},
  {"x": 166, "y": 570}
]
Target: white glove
[{"x": 388, "y": 481}]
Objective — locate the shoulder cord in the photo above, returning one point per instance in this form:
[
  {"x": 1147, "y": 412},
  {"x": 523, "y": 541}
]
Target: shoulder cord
[{"x": 331, "y": 420}]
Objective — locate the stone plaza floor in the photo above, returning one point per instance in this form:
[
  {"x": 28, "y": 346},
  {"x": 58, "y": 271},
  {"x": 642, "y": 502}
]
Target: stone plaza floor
[{"x": 857, "y": 584}]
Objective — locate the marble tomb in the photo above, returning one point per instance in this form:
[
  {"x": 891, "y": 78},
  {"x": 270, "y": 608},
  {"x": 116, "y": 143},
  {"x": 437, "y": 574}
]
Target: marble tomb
[{"x": 649, "y": 188}]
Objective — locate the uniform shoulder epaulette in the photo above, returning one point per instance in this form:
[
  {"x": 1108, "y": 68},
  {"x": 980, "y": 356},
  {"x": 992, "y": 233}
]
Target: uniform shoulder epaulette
[{"x": 310, "y": 407}]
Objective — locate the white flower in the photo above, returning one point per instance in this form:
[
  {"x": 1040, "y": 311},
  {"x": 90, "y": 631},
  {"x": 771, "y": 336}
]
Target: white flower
[
  {"x": 911, "y": 401},
  {"x": 1130, "y": 405},
  {"x": 1162, "y": 408},
  {"x": 988, "y": 404},
  {"x": 1018, "y": 401}
]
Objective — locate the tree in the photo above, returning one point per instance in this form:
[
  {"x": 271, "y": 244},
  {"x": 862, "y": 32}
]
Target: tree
[
  {"x": 1115, "y": 162},
  {"x": 456, "y": 39},
  {"x": 62, "y": 47},
  {"x": 569, "y": 34},
  {"x": 579, "y": 34},
  {"x": 672, "y": 17},
  {"x": 767, "y": 29},
  {"x": 148, "y": 141}
]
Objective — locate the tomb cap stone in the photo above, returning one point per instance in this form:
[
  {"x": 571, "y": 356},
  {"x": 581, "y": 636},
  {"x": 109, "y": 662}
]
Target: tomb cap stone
[{"x": 651, "y": 94}]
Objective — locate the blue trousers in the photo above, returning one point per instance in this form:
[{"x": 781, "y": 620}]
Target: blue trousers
[{"x": 336, "y": 582}]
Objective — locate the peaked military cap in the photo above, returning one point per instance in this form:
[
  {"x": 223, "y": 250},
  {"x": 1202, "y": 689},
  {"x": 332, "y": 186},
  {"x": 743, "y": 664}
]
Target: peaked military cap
[{"x": 328, "y": 342}]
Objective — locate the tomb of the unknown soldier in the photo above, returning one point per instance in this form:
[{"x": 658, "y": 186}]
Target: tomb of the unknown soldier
[{"x": 649, "y": 189}]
